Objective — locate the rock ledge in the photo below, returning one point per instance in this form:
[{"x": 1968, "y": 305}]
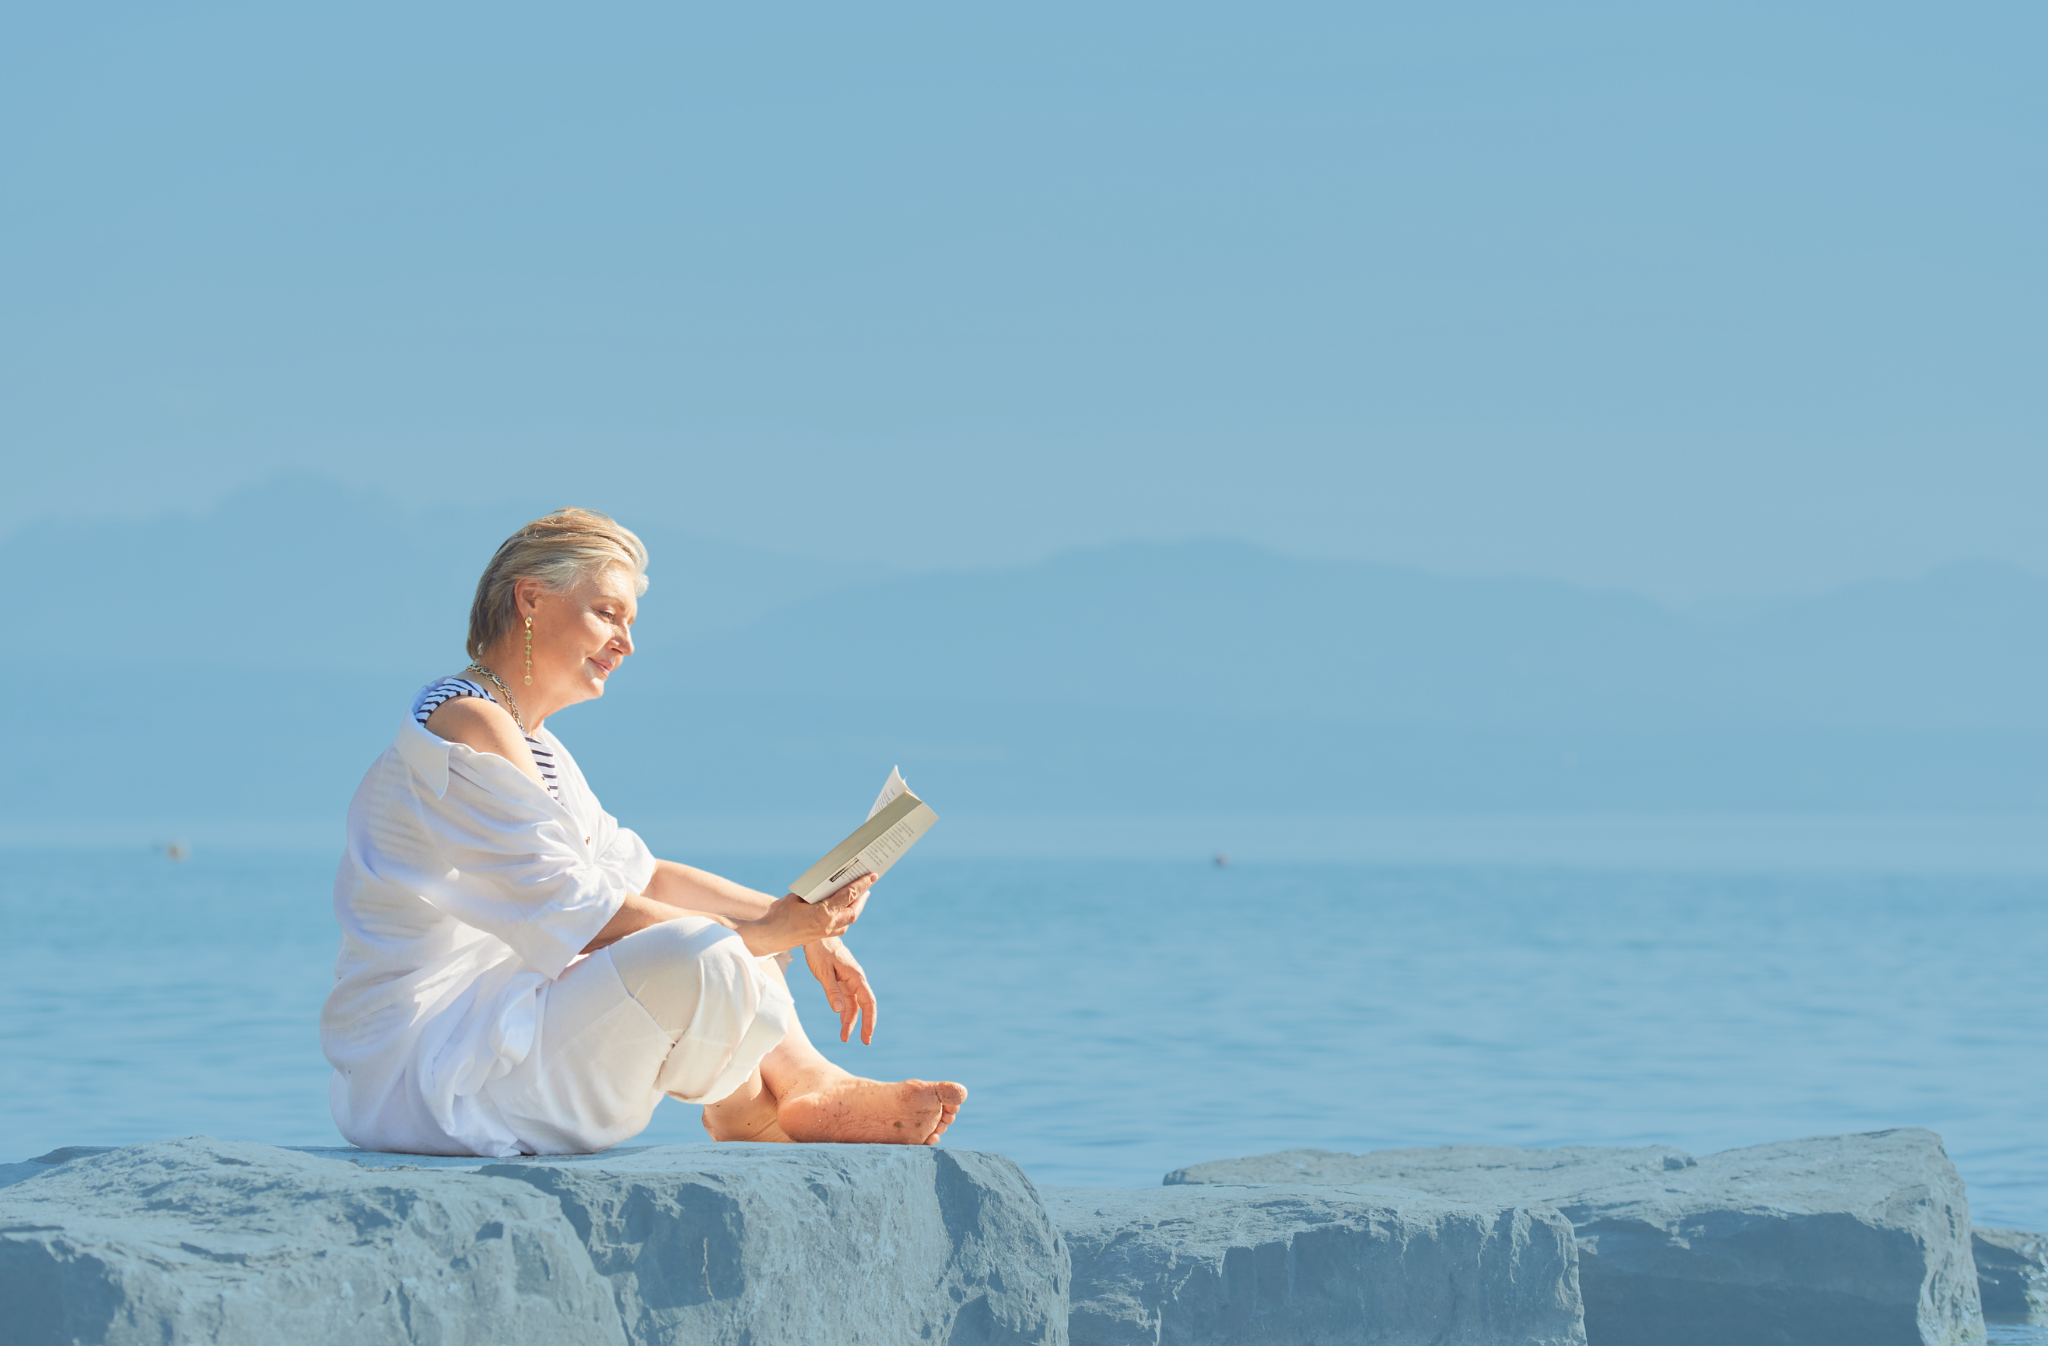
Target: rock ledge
[
  {"x": 225, "y": 1242},
  {"x": 1861, "y": 1240}
]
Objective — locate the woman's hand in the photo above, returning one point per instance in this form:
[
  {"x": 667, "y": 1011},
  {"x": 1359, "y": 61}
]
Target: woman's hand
[
  {"x": 846, "y": 986},
  {"x": 792, "y": 921}
]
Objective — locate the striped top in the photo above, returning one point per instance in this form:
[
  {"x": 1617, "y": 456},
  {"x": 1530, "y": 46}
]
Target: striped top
[{"x": 447, "y": 689}]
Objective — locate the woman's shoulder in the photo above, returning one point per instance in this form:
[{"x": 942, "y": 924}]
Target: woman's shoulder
[
  {"x": 474, "y": 720},
  {"x": 441, "y": 691}
]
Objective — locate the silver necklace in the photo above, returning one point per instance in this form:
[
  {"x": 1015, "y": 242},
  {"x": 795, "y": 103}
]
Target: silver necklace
[{"x": 511, "y": 702}]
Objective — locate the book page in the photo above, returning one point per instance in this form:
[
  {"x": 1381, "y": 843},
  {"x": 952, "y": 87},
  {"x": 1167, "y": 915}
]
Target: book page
[
  {"x": 890, "y": 789},
  {"x": 893, "y": 826}
]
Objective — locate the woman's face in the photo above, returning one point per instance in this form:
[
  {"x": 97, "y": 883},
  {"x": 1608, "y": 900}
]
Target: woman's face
[{"x": 580, "y": 635}]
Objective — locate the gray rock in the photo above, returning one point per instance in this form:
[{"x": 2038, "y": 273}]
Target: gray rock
[
  {"x": 55, "y": 1159},
  {"x": 11, "y": 1174},
  {"x": 766, "y": 1244},
  {"x": 1286, "y": 1265},
  {"x": 1461, "y": 1172},
  {"x": 2012, "y": 1274},
  {"x": 228, "y": 1242},
  {"x": 65, "y": 1154},
  {"x": 1860, "y": 1240},
  {"x": 45, "y": 1163},
  {"x": 349, "y": 1154}
]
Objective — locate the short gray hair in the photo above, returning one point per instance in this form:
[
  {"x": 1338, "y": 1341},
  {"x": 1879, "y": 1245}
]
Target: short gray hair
[{"x": 557, "y": 550}]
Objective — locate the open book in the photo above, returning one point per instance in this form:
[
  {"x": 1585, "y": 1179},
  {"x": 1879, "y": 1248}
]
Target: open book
[{"x": 894, "y": 824}]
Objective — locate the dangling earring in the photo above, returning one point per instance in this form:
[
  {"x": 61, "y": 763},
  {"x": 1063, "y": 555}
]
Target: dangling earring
[{"x": 529, "y": 651}]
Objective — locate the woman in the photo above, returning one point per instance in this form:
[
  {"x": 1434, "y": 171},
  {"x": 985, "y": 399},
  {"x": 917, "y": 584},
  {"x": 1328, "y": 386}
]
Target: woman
[{"x": 517, "y": 974}]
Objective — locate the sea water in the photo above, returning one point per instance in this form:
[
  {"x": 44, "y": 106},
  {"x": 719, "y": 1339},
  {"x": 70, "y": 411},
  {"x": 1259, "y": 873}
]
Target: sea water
[{"x": 1116, "y": 1020}]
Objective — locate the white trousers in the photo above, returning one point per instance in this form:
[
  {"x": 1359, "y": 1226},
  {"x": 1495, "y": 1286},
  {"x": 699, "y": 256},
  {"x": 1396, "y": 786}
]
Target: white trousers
[{"x": 679, "y": 1008}]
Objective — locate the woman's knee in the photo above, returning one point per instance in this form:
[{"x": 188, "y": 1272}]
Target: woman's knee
[{"x": 665, "y": 966}]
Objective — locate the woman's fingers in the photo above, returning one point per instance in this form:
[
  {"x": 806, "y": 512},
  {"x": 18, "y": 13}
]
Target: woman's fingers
[
  {"x": 803, "y": 921},
  {"x": 844, "y": 913},
  {"x": 848, "y": 1007},
  {"x": 860, "y": 997},
  {"x": 852, "y": 894},
  {"x": 860, "y": 1003},
  {"x": 866, "y": 997}
]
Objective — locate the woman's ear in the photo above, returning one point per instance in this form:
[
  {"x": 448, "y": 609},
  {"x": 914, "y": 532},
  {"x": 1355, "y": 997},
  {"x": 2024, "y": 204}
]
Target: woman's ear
[{"x": 526, "y": 594}]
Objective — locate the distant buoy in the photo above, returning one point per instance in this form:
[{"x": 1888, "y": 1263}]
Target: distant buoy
[
  {"x": 1222, "y": 860},
  {"x": 176, "y": 851}
]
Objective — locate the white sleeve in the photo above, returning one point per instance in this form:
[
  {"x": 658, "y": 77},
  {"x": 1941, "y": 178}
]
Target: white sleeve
[
  {"x": 627, "y": 856},
  {"x": 508, "y": 861}
]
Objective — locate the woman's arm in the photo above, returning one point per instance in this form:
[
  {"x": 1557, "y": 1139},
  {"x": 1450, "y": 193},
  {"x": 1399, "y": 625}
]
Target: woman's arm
[
  {"x": 778, "y": 924},
  {"x": 700, "y": 891}
]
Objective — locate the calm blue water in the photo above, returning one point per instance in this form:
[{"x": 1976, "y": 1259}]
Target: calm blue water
[{"x": 1115, "y": 1020}]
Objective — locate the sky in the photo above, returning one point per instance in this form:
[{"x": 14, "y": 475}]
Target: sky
[{"x": 1687, "y": 300}]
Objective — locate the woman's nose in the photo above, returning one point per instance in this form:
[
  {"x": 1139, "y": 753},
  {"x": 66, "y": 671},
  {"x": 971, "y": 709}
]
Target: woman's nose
[{"x": 624, "y": 642}]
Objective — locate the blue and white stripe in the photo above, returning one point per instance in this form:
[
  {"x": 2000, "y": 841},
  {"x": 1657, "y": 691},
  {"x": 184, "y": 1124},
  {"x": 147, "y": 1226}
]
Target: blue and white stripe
[{"x": 447, "y": 689}]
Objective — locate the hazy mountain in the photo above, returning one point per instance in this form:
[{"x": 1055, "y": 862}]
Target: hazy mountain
[
  {"x": 1226, "y": 626},
  {"x": 249, "y": 661},
  {"x": 299, "y": 572},
  {"x": 301, "y": 575}
]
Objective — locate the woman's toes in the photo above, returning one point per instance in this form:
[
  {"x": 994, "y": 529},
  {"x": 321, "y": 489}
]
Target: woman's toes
[
  {"x": 950, "y": 1096},
  {"x": 907, "y": 1112}
]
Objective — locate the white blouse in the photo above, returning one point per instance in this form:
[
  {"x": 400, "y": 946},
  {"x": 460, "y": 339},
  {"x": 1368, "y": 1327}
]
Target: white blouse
[{"x": 465, "y": 890}]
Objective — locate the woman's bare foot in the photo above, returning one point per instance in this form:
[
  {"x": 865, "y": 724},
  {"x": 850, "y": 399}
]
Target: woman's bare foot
[
  {"x": 796, "y": 1094},
  {"x": 749, "y": 1114},
  {"x": 851, "y": 1110}
]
